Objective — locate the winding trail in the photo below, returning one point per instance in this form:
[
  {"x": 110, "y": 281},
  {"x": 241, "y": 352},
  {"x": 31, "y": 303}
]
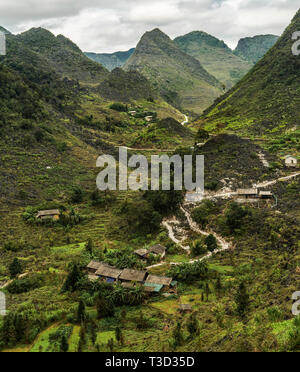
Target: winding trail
[
  {"x": 186, "y": 120},
  {"x": 271, "y": 183},
  {"x": 225, "y": 245}
]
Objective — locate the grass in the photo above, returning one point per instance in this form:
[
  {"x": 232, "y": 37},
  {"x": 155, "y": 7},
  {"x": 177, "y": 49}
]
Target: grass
[{"x": 42, "y": 343}]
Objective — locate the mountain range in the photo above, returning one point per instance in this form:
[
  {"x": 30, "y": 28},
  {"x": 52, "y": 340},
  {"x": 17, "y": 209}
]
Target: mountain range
[
  {"x": 111, "y": 60},
  {"x": 226, "y": 65},
  {"x": 180, "y": 79},
  {"x": 222, "y": 257},
  {"x": 267, "y": 100},
  {"x": 215, "y": 56}
]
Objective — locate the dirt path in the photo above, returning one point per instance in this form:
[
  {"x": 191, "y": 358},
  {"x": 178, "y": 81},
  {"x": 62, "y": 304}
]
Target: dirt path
[
  {"x": 225, "y": 245},
  {"x": 271, "y": 183},
  {"x": 194, "y": 227},
  {"x": 186, "y": 120}
]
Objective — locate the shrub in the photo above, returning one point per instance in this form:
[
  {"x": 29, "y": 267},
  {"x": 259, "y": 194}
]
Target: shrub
[
  {"x": 77, "y": 195},
  {"x": 118, "y": 107}
]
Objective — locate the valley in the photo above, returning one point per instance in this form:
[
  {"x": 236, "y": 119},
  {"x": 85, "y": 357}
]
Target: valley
[{"x": 218, "y": 274}]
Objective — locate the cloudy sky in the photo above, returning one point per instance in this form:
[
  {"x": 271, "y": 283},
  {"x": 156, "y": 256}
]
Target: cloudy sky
[{"x": 111, "y": 25}]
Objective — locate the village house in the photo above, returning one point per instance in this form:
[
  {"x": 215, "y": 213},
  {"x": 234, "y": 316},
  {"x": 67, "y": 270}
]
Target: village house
[
  {"x": 108, "y": 273},
  {"x": 158, "y": 250},
  {"x": 153, "y": 288},
  {"x": 142, "y": 253},
  {"x": 132, "y": 113},
  {"x": 93, "y": 266},
  {"x": 48, "y": 215},
  {"x": 291, "y": 161},
  {"x": 130, "y": 275},
  {"x": 265, "y": 195},
  {"x": 158, "y": 281},
  {"x": 129, "y": 278},
  {"x": 247, "y": 193}
]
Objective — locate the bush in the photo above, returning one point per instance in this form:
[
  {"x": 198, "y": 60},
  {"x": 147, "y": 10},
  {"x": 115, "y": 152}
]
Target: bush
[
  {"x": 77, "y": 195},
  {"x": 39, "y": 135},
  {"x": 189, "y": 272},
  {"x": 118, "y": 107},
  {"x": 15, "y": 268}
]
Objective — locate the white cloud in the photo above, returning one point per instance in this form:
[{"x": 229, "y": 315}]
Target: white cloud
[{"x": 106, "y": 26}]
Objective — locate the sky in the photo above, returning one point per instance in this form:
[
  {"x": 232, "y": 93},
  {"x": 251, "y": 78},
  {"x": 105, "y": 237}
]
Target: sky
[{"x": 106, "y": 26}]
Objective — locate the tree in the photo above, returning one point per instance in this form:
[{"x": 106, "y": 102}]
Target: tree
[
  {"x": 201, "y": 136},
  {"x": 123, "y": 316},
  {"x": 77, "y": 195},
  {"x": 193, "y": 325},
  {"x": 15, "y": 268},
  {"x": 207, "y": 291},
  {"x": 242, "y": 300},
  {"x": 73, "y": 278},
  {"x": 177, "y": 335},
  {"x": 198, "y": 249},
  {"x": 119, "y": 335},
  {"x": 211, "y": 243},
  {"x": 218, "y": 286},
  {"x": 111, "y": 345},
  {"x": 81, "y": 314},
  {"x": 82, "y": 335},
  {"x": 234, "y": 216},
  {"x": 89, "y": 246},
  {"x": 105, "y": 307},
  {"x": 64, "y": 346},
  {"x": 93, "y": 332}
]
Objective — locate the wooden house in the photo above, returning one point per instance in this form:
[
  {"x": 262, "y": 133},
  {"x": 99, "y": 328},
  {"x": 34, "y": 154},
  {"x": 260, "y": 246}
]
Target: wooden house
[
  {"x": 48, "y": 215},
  {"x": 162, "y": 281},
  {"x": 247, "y": 193},
  {"x": 153, "y": 288},
  {"x": 158, "y": 250},
  {"x": 130, "y": 275},
  {"x": 108, "y": 273},
  {"x": 142, "y": 253},
  {"x": 265, "y": 194},
  {"x": 93, "y": 266}
]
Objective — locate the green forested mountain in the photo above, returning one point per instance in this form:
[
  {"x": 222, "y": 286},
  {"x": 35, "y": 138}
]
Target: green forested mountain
[
  {"x": 179, "y": 78},
  {"x": 111, "y": 60},
  {"x": 215, "y": 56},
  {"x": 55, "y": 102},
  {"x": 62, "y": 55},
  {"x": 267, "y": 100},
  {"x": 252, "y": 49}
]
